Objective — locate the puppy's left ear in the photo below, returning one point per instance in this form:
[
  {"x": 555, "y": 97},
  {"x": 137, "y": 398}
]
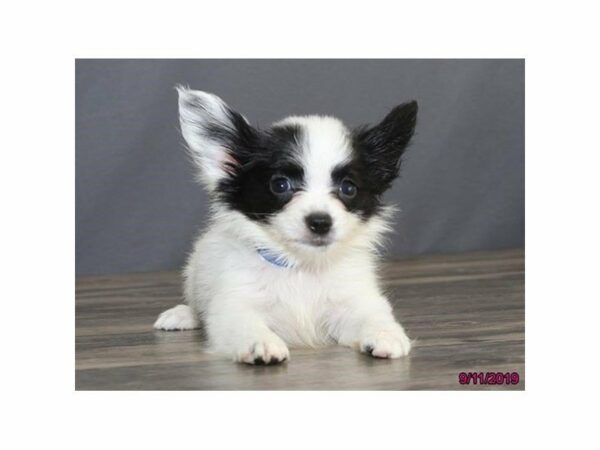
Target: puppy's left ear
[{"x": 383, "y": 145}]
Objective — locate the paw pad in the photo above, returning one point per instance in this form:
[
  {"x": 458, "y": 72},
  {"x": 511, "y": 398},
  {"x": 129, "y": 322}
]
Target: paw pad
[{"x": 259, "y": 361}]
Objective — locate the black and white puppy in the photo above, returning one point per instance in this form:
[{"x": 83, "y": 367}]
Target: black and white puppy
[{"x": 290, "y": 255}]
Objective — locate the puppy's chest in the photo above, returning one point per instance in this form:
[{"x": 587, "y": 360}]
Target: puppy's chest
[
  {"x": 293, "y": 288},
  {"x": 300, "y": 307}
]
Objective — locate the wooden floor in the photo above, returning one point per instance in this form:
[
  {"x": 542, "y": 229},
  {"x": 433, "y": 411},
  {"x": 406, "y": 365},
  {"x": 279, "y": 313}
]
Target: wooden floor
[{"x": 465, "y": 311}]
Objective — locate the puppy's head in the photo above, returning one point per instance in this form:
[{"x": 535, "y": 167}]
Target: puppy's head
[{"x": 308, "y": 183}]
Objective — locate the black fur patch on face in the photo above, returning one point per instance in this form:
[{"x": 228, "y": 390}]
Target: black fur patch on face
[
  {"x": 377, "y": 153},
  {"x": 367, "y": 201},
  {"x": 260, "y": 157}
]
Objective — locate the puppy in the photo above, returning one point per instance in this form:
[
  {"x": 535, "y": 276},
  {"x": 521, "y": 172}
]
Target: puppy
[{"x": 290, "y": 254}]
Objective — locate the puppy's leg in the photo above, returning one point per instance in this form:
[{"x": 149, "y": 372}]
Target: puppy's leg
[
  {"x": 243, "y": 335},
  {"x": 181, "y": 317},
  {"x": 370, "y": 327}
]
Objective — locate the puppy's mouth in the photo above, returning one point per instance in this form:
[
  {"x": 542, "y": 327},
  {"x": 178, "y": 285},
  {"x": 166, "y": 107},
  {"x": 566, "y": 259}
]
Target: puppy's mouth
[{"x": 316, "y": 241}]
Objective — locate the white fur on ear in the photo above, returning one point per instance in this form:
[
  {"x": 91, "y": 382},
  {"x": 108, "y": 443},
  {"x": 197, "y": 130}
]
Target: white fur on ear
[{"x": 205, "y": 120}]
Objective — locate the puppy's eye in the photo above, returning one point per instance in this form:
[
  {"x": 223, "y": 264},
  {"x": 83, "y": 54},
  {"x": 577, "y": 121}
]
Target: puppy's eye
[
  {"x": 280, "y": 185},
  {"x": 348, "y": 189}
]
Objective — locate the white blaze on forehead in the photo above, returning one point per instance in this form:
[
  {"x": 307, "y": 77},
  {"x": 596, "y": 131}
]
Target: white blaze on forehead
[{"x": 325, "y": 145}]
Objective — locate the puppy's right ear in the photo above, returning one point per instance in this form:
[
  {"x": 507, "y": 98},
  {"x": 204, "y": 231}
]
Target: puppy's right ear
[{"x": 213, "y": 132}]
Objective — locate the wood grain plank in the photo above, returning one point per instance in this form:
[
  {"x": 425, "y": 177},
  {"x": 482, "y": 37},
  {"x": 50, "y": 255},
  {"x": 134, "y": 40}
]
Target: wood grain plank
[{"x": 465, "y": 311}]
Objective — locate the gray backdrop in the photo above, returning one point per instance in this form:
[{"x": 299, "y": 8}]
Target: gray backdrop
[{"x": 138, "y": 209}]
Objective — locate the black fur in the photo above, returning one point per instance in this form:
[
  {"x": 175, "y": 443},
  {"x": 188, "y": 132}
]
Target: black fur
[
  {"x": 366, "y": 202},
  {"x": 260, "y": 156},
  {"x": 377, "y": 153},
  {"x": 381, "y": 147}
]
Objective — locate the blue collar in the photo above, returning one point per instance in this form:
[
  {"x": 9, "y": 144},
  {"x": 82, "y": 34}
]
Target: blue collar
[{"x": 270, "y": 257}]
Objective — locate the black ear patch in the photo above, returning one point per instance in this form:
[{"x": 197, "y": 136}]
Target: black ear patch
[{"x": 381, "y": 147}]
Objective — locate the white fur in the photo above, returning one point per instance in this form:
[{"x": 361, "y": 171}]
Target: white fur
[
  {"x": 328, "y": 294},
  {"x": 180, "y": 317},
  {"x": 207, "y": 154}
]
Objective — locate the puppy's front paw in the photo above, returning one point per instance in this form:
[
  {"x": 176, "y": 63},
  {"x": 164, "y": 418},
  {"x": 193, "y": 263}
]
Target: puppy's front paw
[
  {"x": 267, "y": 350},
  {"x": 392, "y": 343}
]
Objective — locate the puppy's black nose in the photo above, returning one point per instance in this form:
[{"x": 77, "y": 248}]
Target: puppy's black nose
[{"x": 319, "y": 223}]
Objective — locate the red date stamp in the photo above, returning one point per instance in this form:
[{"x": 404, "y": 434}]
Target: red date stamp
[{"x": 488, "y": 378}]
